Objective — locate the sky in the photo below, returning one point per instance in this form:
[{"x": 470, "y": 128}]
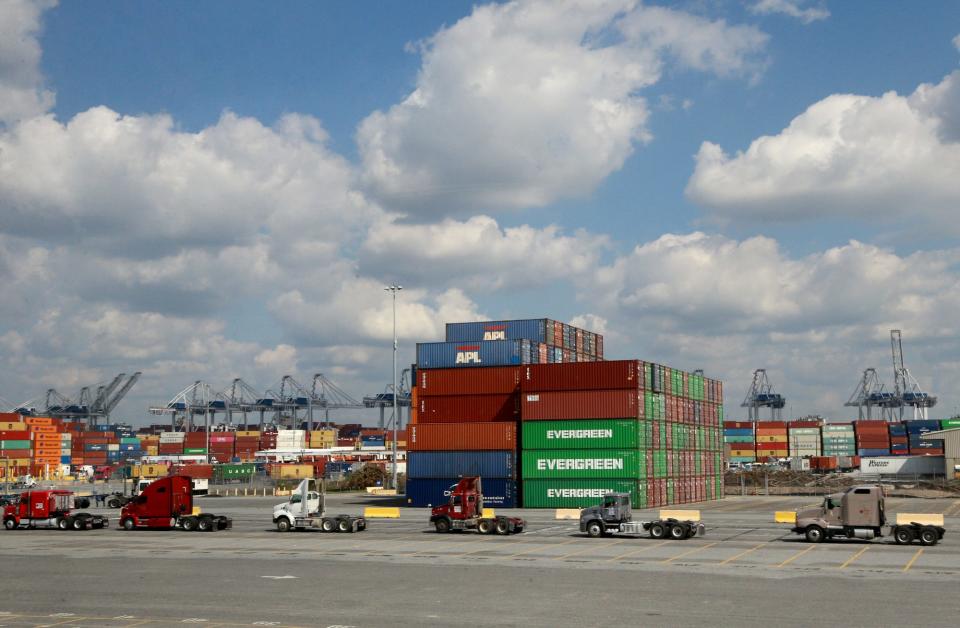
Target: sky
[{"x": 203, "y": 191}]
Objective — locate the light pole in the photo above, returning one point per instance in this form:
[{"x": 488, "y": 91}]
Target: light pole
[{"x": 394, "y": 289}]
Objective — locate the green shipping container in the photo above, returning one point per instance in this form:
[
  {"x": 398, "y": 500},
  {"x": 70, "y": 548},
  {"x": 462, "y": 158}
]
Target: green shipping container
[
  {"x": 583, "y": 464},
  {"x": 585, "y": 434},
  {"x": 228, "y": 471},
  {"x": 949, "y": 424},
  {"x": 578, "y": 493},
  {"x": 14, "y": 444},
  {"x": 194, "y": 452}
]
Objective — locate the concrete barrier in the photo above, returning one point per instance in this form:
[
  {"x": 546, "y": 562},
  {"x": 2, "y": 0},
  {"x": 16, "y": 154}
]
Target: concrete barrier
[
  {"x": 567, "y": 513},
  {"x": 925, "y": 519},
  {"x": 381, "y": 512},
  {"x": 785, "y": 516},
  {"x": 682, "y": 515}
]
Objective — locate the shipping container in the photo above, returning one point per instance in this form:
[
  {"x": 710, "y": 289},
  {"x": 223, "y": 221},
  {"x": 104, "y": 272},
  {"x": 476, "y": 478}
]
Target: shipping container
[
  {"x": 578, "y": 493},
  {"x": 586, "y": 404},
  {"x": 474, "y": 354},
  {"x": 468, "y": 408},
  {"x": 462, "y": 436},
  {"x": 460, "y": 381},
  {"x": 583, "y": 463},
  {"x": 617, "y": 374},
  {"x": 586, "y": 434},
  {"x": 429, "y": 492},
  {"x": 538, "y": 329},
  {"x": 451, "y": 464}
]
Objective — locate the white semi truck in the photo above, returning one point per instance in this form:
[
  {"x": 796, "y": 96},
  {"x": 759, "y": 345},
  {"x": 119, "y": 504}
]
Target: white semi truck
[{"x": 306, "y": 508}]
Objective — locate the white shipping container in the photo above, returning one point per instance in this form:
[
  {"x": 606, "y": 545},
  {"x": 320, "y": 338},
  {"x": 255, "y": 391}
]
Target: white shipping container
[{"x": 907, "y": 465}]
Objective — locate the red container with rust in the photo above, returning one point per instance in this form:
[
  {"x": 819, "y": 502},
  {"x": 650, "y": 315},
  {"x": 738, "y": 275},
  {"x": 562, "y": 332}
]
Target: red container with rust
[
  {"x": 581, "y": 404},
  {"x": 462, "y": 437},
  {"x": 487, "y": 380},
  {"x": 468, "y": 408},
  {"x": 616, "y": 374}
]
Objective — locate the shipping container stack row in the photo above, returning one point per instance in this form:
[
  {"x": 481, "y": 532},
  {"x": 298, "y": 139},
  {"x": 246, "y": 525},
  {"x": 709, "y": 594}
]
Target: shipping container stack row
[
  {"x": 739, "y": 441},
  {"x": 569, "y": 432}
]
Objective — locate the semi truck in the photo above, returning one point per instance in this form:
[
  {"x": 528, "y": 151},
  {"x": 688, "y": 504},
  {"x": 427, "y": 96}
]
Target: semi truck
[
  {"x": 49, "y": 509},
  {"x": 614, "y": 516},
  {"x": 306, "y": 508},
  {"x": 199, "y": 486},
  {"x": 167, "y": 504},
  {"x": 860, "y": 513},
  {"x": 465, "y": 511}
]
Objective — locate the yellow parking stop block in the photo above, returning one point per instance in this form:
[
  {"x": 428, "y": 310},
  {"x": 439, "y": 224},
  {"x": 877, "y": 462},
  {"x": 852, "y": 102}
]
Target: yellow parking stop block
[
  {"x": 785, "y": 516},
  {"x": 926, "y": 518},
  {"x": 682, "y": 515},
  {"x": 567, "y": 513},
  {"x": 381, "y": 512}
]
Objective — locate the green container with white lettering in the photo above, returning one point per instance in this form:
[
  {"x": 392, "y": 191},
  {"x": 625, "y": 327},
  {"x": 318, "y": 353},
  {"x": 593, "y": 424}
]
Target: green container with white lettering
[
  {"x": 579, "y": 493},
  {"x": 585, "y": 434},
  {"x": 583, "y": 464}
]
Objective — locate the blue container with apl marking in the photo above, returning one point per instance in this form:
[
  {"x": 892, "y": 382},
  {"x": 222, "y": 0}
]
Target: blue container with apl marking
[{"x": 481, "y": 353}]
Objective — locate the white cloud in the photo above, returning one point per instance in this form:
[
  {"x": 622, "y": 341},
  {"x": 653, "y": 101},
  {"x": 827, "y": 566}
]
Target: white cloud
[
  {"x": 792, "y": 8},
  {"x": 21, "y": 84},
  {"x": 478, "y": 253},
  {"x": 523, "y": 103},
  {"x": 956, "y": 42},
  {"x": 889, "y": 158}
]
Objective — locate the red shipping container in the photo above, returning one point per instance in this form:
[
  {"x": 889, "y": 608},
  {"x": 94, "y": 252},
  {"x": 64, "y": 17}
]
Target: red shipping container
[
  {"x": 198, "y": 471},
  {"x": 778, "y": 425},
  {"x": 7, "y": 435},
  {"x": 584, "y": 404},
  {"x": 615, "y": 374},
  {"x": 462, "y": 437},
  {"x": 487, "y": 380},
  {"x": 468, "y": 408}
]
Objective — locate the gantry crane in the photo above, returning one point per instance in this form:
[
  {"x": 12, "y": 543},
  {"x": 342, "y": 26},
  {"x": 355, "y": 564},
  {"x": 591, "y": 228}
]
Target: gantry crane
[
  {"x": 870, "y": 394},
  {"x": 384, "y": 400},
  {"x": 762, "y": 395},
  {"x": 906, "y": 386},
  {"x": 87, "y": 407}
]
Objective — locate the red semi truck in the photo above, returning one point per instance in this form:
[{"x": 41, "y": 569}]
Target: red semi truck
[
  {"x": 166, "y": 504},
  {"x": 49, "y": 509},
  {"x": 465, "y": 512}
]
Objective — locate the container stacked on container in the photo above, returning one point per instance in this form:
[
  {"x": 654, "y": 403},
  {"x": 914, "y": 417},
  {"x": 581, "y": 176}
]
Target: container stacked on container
[
  {"x": 171, "y": 443},
  {"x": 839, "y": 439},
  {"x": 291, "y": 439},
  {"x": 247, "y": 445},
  {"x": 805, "y": 439},
  {"x": 222, "y": 446},
  {"x": 873, "y": 438},
  {"x": 15, "y": 454},
  {"x": 625, "y": 426},
  {"x": 324, "y": 438},
  {"x": 919, "y": 446},
  {"x": 465, "y": 423},
  {"x": 772, "y": 440},
  {"x": 195, "y": 444},
  {"x": 899, "y": 443},
  {"x": 739, "y": 441}
]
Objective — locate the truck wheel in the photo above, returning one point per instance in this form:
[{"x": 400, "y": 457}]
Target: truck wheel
[
  {"x": 189, "y": 524},
  {"x": 814, "y": 534},
  {"x": 283, "y": 525},
  {"x": 361, "y": 525},
  {"x": 503, "y": 526},
  {"x": 128, "y": 524},
  {"x": 63, "y": 523},
  {"x": 594, "y": 529},
  {"x": 343, "y": 525},
  {"x": 10, "y": 524},
  {"x": 485, "y": 526},
  {"x": 83, "y": 503},
  {"x": 678, "y": 532},
  {"x": 113, "y": 503},
  {"x": 903, "y": 535},
  {"x": 929, "y": 536},
  {"x": 657, "y": 531},
  {"x": 205, "y": 524},
  {"x": 442, "y": 525},
  {"x": 78, "y": 523},
  {"x": 328, "y": 525}
]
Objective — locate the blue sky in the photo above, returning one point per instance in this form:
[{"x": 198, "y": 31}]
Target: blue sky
[{"x": 201, "y": 191}]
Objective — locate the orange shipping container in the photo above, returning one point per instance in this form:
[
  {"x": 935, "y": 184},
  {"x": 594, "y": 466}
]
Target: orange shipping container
[
  {"x": 462, "y": 436},
  {"x": 38, "y": 420}
]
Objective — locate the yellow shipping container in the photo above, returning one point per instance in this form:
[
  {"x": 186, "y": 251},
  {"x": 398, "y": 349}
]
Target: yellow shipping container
[
  {"x": 291, "y": 471},
  {"x": 772, "y": 439},
  {"x": 8, "y": 426},
  {"x": 248, "y": 433},
  {"x": 152, "y": 450},
  {"x": 149, "y": 470}
]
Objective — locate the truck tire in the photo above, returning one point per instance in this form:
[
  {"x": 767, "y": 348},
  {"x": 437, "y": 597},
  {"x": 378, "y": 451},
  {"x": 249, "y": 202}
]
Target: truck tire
[
  {"x": 10, "y": 524},
  {"x": 113, "y": 503},
  {"x": 79, "y": 523},
  {"x": 814, "y": 534},
  {"x": 929, "y": 536},
  {"x": 902, "y": 535},
  {"x": 485, "y": 526},
  {"x": 328, "y": 525},
  {"x": 83, "y": 502},
  {"x": 503, "y": 526},
  {"x": 344, "y": 525},
  {"x": 361, "y": 525},
  {"x": 63, "y": 523},
  {"x": 283, "y": 525},
  {"x": 657, "y": 531},
  {"x": 205, "y": 524},
  {"x": 189, "y": 524},
  {"x": 595, "y": 529},
  {"x": 128, "y": 524},
  {"x": 442, "y": 525},
  {"x": 678, "y": 532}
]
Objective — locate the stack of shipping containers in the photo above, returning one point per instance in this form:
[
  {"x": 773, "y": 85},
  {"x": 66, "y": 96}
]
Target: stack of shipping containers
[
  {"x": 772, "y": 440},
  {"x": 917, "y": 445},
  {"x": 839, "y": 439},
  {"x": 805, "y": 439},
  {"x": 899, "y": 443},
  {"x": 739, "y": 441},
  {"x": 873, "y": 438},
  {"x": 14, "y": 445},
  {"x": 171, "y": 443}
]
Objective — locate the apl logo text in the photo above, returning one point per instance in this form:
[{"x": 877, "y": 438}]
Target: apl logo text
[
  {"x": 468, "y": 355},
  {"x": 495, "y": 332}
]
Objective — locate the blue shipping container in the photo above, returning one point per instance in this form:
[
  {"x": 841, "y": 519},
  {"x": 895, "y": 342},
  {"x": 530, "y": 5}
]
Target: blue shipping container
[
  {"x": 873, "y": 452},
  {"x": 452, "y": 464},
  {"x": 921, "y": 426},
  {"x": 374, "y": 443},
  {"x": 898, "y": 430},
  {"x": 95, "y": 447},
  {"x": 64, "y": 459},
  {"x": 429, "y": 492},
  {"x": 737, "y": 431},
  {"x": 530, "y": 329},
  {"x": 483, "y": 353}
]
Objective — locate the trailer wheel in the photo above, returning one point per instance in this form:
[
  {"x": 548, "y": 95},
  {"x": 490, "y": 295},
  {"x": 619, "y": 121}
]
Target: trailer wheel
[
  {"x": 903, "y": 535},
  {"x": 503, "y": 526},
  {"x": 343, "y": 525},
  {"x": 83, "y": 502},
  {"x": 78, "y": 523},
  {"x": 594, "y": 529},
  {"x": 113, "y": 503},
  {"x": 442, "y": 525},
  {"x": 205, "y": 524},
  {"x": 63, "y": 523},
  {"x": 283, "y": 525},
  {"x": 678, "y": 532},
  {"x": 189, "y": 524},
  {"x": 328, "y": 525},
  {"x": 814, "y": 534},
  {"x": 928, "y": 536},
  {"x": 128, "y": 524},
  {"x": 657, "y": 530},
  {"x": 10, "y": 524},
  {"x": 485, "y": 526}
]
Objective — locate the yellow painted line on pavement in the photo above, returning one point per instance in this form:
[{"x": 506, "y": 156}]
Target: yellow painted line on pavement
[
  {"x": 913, "y": 560},
  {"x": 855, "y": 556},
  {"x": 744, "y": 553},
  {"x": 795, "y": 556},
  {"x": 637, "y": 551},
  {"x": 590, "y": 548},
  {"x": 688, "y": 552}
]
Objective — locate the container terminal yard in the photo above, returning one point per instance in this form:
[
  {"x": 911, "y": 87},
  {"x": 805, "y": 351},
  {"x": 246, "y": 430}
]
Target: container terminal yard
[{"x": 551, "y": 427}]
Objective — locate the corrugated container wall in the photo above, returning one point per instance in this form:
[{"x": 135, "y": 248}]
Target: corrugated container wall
[
  {"x": 473, "y": 354},
  {"x": 451, "y": 464},
  {"x": 462, "y": 436},
  {"x": 428, "y": 492}
]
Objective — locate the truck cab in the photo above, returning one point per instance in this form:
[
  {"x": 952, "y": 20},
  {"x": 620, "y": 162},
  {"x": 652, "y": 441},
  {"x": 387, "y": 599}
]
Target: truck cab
[
  {"x": 612, "y": 511},
  {"x": 167, "y": 503},
  {"x": 49, "y": 509},
  {"x": 464, "y": 511},
  {"x": 306, "y": 508},
  {"x": 858, "y": 512}
]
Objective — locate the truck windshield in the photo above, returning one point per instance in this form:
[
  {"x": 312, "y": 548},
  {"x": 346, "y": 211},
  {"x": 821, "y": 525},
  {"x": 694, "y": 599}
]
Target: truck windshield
[{"x": 610, "y": 502}]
